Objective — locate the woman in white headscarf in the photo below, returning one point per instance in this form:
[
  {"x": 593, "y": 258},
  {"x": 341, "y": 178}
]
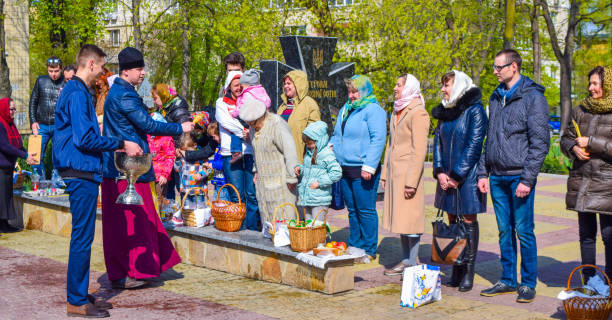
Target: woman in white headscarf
[
  {"x": 462, "y": 126},
  {"x": 402, "y": 171}
]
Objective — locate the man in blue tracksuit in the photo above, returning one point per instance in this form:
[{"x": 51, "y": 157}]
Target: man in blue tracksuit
[{"x": 77, "y": 154}]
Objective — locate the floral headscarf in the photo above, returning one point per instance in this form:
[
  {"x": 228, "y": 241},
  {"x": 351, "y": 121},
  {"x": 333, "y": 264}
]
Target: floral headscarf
[
  {"x": 411, "y": 90},
  {"x": 366, "y": 92},
  {"x": 201, "y": 118},
  {"x": 164, "y": 91}
]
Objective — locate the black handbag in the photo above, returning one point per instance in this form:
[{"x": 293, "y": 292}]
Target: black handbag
[{"x": 449, "y": 241}]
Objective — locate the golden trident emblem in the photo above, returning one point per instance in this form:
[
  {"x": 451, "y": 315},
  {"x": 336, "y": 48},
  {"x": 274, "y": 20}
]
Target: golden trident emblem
[{"x": 317, "y": 58}]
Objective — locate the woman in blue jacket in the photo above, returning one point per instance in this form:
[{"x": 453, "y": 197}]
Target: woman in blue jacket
[
  {"x": 462, "y": 126},
  {"x": 358, "y": 141}
]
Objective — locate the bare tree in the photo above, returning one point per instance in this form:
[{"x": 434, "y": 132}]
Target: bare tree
[{"x": 5, "y": 82}]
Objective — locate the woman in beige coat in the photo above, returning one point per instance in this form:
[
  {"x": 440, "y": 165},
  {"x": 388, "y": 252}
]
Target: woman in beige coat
[{"x": 402, "y": 171}]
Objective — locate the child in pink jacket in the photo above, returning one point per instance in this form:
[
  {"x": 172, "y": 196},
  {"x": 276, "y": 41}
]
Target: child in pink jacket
[
  {"x": 251, "y": 87},
  {"x": 162, "y": 150}
]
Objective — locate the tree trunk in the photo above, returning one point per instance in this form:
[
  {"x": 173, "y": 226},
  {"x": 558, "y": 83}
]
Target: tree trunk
[
  {"x": 58, "y": 34},
  {"x": 5, "y": 82},
  {"x": 535, "y": 41},
  {"x": 566, "y": 92},
  {"x": 138, "y": 42},
  {"x": 215, "y": 89},
  {"x": 565, "y": 57},
  {"x": 199, "y": 97},
  {"x": 186, "y": 56},
  {"x": 510, "y": 19},
  {"x": 450, "y": 24}
]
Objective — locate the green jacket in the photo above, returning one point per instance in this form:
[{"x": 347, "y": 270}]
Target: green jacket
[{"x": 325, "y": 171}]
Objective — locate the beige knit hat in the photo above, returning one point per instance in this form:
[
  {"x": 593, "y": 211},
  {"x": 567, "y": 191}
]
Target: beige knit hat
[{"x": 252, "y": 109}]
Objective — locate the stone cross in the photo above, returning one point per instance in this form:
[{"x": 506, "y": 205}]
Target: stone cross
[{"x": 312, "y": 55}]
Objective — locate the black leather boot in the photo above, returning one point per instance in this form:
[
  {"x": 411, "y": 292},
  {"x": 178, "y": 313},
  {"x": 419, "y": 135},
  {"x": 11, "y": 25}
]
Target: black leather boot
[
  {"x": 456, "y": 276},
  {"x": 468, "y": 277}
]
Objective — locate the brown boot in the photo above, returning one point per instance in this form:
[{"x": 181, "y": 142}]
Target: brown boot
[{"x": 88, "y": 310}]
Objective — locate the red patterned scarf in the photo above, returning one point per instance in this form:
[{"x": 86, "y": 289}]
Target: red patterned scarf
[{"x": 5, "y": 119}]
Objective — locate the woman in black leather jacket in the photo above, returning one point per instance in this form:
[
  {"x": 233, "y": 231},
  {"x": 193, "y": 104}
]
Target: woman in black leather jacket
[
  {"x": 175, "y": 109},
  {"x": 172, "y": 106},
  {"x": 462, "y": 126}
]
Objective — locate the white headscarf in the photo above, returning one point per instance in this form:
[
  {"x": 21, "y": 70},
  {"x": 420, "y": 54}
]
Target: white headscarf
[
  {"x": 462, "y": 83},
  {"x": 230, "y": 76},
  {"x": 411, "y": 90}
]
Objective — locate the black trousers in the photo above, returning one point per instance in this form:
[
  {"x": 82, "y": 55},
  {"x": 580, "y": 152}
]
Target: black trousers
[{"x": 587, "y": 230}]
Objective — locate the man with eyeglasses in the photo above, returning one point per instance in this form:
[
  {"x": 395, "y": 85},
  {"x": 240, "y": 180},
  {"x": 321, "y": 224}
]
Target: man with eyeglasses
[
  {"x": 517, "y": 143},
  {"x": 42, "y": 106}
]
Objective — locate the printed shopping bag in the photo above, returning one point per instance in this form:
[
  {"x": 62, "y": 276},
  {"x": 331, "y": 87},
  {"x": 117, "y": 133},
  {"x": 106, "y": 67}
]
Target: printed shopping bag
[{"x": 421, "y": 285}]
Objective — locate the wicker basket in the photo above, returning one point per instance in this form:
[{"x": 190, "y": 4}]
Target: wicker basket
[
  {"x": 587, "y": 308},
  {"x": 228, "y": 215},
  {"x": 306, "y": 239},
  {"x": 189, "y": 218},
  {"x": 282, "y": 205}
]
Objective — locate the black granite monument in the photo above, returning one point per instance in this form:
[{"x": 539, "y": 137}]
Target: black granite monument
[{"x": 312, "y": 55}]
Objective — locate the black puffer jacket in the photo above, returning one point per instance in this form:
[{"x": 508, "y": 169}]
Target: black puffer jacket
[
  {"x": 177, "y": 110},
  {"x": 589, "y": 186},
  {"x": 518, "y": 136},
  {"x": 43, "y": 99},
  {"x": 458, "y": 143}
]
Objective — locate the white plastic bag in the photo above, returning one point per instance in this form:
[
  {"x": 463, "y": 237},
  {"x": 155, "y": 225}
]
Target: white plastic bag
[
  {"x": 281, "y": 236},
  {"x": 421, "y": 285},
  {"x": 265, "y": 230},
  {"x": 203, "y": 217}
]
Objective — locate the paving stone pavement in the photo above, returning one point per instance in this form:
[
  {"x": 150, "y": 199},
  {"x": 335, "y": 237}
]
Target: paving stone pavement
[{"x": 33, "y": 266}]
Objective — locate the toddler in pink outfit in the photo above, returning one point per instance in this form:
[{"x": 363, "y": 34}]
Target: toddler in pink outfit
[{"x": 251, "y": 88}]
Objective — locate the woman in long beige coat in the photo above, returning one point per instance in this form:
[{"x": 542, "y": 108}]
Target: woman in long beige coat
[{"x": 402, "y": 171}]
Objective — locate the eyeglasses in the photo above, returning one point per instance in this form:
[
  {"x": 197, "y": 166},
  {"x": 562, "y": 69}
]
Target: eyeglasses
[
  {"x": 499, "y": 68},
  {"x": 53, "y": 61},
  {"x": 12, "y": 109}
]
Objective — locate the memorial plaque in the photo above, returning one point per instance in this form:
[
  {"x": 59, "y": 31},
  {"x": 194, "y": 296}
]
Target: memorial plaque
[{"x": 312, "y": 55}]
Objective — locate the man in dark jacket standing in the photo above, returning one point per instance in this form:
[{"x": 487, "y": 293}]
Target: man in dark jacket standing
[
  {"x": 136, "y": 245},
  {"x": 517, "y": 143},
  {"x": 42, "y": 106},
  {"x": 77, "y": 154}
]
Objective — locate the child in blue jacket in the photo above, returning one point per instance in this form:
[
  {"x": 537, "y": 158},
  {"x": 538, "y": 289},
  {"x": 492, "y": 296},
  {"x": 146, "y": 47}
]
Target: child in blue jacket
[{"x": 318, "y": 172}]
